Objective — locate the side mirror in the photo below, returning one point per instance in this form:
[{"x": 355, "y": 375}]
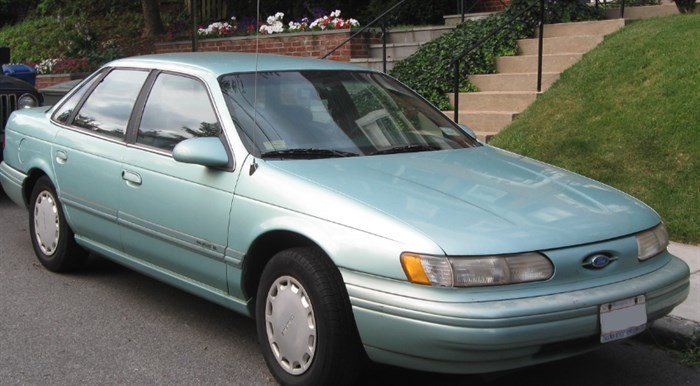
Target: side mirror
[
  {"x": 205, "y": 151},
  {"x": 467, "y": 130}
]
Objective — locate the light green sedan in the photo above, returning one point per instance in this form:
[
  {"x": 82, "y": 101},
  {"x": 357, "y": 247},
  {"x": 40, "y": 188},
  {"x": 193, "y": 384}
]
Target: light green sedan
[{"x": 339, "y": 209}]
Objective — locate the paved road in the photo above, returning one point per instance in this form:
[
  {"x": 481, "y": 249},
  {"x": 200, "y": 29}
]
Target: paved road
[{"x": 109, "y": 325}]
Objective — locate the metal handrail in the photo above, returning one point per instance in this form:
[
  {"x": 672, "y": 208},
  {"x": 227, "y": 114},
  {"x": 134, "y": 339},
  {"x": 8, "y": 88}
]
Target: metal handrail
[
  {"x": 366, "y": 27},
  {"x": 383, "y": 27},
  {"x": 493, "y": 33},
  {"x": 471, "y": 8}
]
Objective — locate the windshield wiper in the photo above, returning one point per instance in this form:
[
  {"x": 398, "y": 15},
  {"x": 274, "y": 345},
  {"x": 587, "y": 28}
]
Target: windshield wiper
[
  {"x": 310, "y": 153},
  {"x": 406, "y": 149}
]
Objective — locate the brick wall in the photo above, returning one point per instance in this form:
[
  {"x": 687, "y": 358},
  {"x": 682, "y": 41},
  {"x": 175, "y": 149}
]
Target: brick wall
[
  {"x": 43, "y": 81},
  {"x": 309, "y": 44}
]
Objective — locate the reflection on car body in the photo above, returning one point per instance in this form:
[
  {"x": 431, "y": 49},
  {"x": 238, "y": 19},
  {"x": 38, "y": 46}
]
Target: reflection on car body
[{"x": 349, "y": 217}]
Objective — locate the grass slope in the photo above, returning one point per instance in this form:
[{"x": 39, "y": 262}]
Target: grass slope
[{"x": 628, "y": 114}]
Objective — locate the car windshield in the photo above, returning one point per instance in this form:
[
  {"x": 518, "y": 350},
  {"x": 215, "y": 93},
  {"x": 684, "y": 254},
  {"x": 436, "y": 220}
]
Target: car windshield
[{"x": 322, "y": 114}]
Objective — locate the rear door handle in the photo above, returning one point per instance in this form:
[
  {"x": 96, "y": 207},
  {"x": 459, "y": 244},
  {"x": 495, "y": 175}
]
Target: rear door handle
[
  {"x": 61, "y": 156},
  {"x": 132, "y": 178}
]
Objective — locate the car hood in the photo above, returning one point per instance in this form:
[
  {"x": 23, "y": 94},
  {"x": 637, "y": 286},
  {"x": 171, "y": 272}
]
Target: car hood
[{"x": 480, "y": 200}]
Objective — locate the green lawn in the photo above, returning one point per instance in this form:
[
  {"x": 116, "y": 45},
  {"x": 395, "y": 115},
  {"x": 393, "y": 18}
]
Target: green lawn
[{"x": 628, "y": 114}]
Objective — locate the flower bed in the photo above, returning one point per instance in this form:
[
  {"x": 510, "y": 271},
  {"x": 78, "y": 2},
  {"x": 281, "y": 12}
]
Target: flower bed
[
  {"x": 303, "y": 37},
  {"x": 274, "y": 25}
]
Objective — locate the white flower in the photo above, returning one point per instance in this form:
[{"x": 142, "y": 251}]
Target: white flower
[{"x": 46, "y": 66}]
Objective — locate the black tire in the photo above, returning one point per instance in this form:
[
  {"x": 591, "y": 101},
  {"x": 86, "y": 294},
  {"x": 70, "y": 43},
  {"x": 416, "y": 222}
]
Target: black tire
[
  {"x": 330, "y": 353},
  {"x": 52, "y": 239}
]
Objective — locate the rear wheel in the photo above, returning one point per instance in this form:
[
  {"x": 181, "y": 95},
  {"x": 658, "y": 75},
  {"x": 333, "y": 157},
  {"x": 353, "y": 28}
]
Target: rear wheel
[
  {"x": 305, "y": 324},
  {"x": 52, "y": 238}
]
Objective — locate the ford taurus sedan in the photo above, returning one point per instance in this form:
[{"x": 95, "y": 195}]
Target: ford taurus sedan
[{"x": 345, "y": 214}]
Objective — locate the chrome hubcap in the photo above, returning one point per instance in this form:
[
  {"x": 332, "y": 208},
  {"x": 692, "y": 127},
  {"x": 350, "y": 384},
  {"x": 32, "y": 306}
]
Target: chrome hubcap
[
  {"x": 290, "y": 325},
  {"x": 46, "y": 226}
]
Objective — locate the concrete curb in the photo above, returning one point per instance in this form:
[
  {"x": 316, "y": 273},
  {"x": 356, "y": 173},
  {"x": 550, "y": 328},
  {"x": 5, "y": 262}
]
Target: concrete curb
[
  {"x": 680, "y": 330},
  {"x": 673, "y": 332}
]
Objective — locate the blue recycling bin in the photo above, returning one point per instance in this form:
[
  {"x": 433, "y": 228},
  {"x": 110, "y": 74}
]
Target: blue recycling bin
[{"x": 21, "y": 71}]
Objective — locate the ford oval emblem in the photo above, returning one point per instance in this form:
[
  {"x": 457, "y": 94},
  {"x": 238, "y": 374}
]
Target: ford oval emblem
[{"x": 598, "y": 261}]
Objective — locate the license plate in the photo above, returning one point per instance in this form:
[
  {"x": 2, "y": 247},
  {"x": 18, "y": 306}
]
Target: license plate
[{"x": 622, "y": 319}]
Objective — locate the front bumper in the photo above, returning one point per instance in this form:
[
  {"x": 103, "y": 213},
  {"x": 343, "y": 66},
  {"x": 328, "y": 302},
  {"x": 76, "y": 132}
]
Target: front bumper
[{"x": 485, "y": 336}]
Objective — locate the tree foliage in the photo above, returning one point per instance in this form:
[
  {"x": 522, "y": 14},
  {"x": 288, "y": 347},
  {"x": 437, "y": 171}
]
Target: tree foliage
[
  {"x": 151, "y": 17},
  {"x": 685, "y": 6}
]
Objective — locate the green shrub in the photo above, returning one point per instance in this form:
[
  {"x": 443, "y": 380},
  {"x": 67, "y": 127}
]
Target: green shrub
[
  {"x": 41, "y": 38},
  {"x": 429, "y": 72},
  {"x": 48, "y": 37}
]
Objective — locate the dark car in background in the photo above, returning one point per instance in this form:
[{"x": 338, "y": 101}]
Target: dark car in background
[{"x": 15, "y": 94}]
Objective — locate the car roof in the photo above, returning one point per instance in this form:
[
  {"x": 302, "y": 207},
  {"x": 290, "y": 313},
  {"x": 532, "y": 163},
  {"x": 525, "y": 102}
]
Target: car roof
[{"x": 219, "y": 63}]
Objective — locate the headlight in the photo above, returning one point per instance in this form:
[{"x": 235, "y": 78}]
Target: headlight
[
  {"x": 475, "y": 271},
  {"x": 652, "y": 242},
  {"x": 26, "y": 101}
]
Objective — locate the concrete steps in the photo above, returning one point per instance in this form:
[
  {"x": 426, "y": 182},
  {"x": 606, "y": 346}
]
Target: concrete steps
[
  {"x": 528, "y": 63},
  {"x": 376, "y": 64},
  {"x": 401, "y": 43},
  {"x": 512, "y": 101},
  {"x": 416, "y": 34},
  {"x": 503, "y": 95},
  {"x": 489, "y": 122},
  {"x": 454, "y": 20},
  {"x": 582, "y": 28},
  {"x": 559, "y": 44},
  {"x": 513, "y": 82},
  {"x": 643, "y": 12}
]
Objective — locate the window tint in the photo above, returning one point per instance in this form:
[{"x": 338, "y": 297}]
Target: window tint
[
  {"x": 108, "y": 108},
  {"x": 178, "y": 108},
  {"x": 63, "y": 113}
]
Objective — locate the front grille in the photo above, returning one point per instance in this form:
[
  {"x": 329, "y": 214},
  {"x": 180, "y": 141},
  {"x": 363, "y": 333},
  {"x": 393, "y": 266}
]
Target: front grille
[{"x": 8, "y": 104}]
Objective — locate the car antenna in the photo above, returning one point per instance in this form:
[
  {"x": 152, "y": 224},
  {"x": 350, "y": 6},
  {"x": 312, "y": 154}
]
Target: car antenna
[{"x": 254, "y": 164}]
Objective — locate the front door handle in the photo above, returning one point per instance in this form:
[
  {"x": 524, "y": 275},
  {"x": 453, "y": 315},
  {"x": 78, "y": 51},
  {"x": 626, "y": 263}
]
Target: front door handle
[{"x": 132, "y": 178}]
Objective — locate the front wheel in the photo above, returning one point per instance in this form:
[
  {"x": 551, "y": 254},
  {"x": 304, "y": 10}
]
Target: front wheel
[
  {"x": 305, "y": 324},
  {"x": 52, "y": 238}
]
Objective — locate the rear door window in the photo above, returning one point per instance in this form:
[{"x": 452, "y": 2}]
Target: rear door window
[{"x": 107, "y": 110}]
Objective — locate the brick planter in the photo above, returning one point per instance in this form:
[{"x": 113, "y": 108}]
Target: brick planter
[{"x": 308, "y": 44}]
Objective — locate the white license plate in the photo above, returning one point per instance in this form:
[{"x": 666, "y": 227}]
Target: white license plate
[{"x": 622, "y": 319}]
